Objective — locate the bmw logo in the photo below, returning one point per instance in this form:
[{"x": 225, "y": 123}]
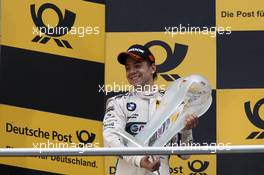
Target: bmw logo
[
  {"x": 134, "y": 128},
  {"x": 131, "y": 106}
]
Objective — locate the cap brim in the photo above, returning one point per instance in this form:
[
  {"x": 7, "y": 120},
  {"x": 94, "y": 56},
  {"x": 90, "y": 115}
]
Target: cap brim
[{"x": 124, "y": 55}]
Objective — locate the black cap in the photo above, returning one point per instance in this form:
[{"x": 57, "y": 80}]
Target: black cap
[{"x": 137, "y": 52}]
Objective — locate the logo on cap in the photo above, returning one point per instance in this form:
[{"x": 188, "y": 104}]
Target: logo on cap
[{"x": 135, "y": 50}]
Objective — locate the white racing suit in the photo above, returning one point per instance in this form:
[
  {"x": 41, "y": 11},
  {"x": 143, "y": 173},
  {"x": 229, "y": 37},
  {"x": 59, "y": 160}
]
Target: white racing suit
[{"x": 130, "y": 112}]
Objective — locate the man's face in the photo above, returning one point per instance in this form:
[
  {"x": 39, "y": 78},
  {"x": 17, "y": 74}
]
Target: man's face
[{"x": 139, "y": 73}]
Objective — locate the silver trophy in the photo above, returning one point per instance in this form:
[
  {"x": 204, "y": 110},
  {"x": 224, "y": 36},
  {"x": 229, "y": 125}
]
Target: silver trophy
[{"x": 188, "y": 95}]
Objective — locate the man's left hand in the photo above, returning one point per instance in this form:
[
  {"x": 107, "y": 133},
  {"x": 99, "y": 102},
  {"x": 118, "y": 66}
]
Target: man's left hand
[{"x": 191, "y": 121}]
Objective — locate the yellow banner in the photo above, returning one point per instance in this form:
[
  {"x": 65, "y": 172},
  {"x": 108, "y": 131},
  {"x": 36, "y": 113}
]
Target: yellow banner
[
  {"x": 195, "y": 164},
  {"x": 202, "y": 164},
  {"x": 176, "y": 55},
  {"x": 240, "y": 15},
  {"x": 240, "y": 116},
  {"x": 68, "y": 28},
  {"x": 25, "y": 128},
  {"x": 110, "y": 165}
]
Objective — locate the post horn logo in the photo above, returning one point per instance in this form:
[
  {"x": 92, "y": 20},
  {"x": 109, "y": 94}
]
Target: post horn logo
[
  {"x": 83, "y": 133},
  {"x": 255, "y": 119},
  {"x": 173, "y": 59},
  {"x": 197, "y": 167},
  {"x": 64, "y": 25}
]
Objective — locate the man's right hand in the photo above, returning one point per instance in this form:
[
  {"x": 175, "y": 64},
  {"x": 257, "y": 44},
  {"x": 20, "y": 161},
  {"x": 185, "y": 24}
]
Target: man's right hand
[{"x": 149, "y": 165}]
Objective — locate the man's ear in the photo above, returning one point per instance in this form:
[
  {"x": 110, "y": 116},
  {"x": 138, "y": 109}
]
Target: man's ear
[{"x": 154, "y": 68}]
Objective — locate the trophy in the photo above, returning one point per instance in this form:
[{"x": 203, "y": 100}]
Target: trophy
[{"x": 187, "y": 95}]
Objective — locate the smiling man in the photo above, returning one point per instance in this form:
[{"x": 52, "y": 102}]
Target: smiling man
[{"x": 131, "y": 112}]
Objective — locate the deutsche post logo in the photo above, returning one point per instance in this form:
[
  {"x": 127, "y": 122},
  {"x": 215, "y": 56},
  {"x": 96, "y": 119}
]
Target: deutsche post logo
[
  {"x": 63, "y": 27},
  {"x": 173, "y": 59},
  {"x": 255, "y": 119},
  {"x": 198, "y": 167},
  {"x": 82, "y": 134}
]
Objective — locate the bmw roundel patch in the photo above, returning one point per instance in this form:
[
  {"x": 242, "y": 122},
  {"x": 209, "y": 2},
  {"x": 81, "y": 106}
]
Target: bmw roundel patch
[{"x": 131, "y": 106}]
